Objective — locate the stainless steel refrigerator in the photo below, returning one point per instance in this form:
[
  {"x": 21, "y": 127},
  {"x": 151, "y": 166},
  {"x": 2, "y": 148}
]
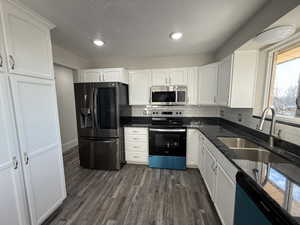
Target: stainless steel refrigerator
[{"x": 100, "y": 135}]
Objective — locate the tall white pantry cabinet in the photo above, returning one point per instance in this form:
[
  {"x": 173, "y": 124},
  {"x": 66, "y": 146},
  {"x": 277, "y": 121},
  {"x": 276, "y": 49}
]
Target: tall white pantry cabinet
[{"x": 32, "y": 182}]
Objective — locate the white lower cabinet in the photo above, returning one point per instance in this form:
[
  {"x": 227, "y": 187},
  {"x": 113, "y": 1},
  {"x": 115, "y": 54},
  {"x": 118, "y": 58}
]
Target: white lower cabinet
[
  {"x": 136, "y": 145},
  {"x": 225, "y": 196},
  {"x": 12, "y": 195},
  {"x": 201, "y": 154},
  {"x": 40, "y": 145},
  {"x": 210, "y": 173},
  {"x": 219, "y": 176},
  {"x": 192, "y": 148}
]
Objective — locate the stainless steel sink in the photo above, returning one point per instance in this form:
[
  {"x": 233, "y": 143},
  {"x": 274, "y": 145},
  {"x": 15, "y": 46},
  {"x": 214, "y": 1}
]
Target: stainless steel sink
[
  {"x": 247, "y": 150},
  {"x": 239, "y": 143}
]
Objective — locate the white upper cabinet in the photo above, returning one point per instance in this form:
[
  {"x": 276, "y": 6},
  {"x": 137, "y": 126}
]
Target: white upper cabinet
[
  {"x": 236, "y": 79},
  {"x": 192, "y": 85},
  {"x": 167, "y": 77},
  {"x": 12, "y": 196},
  {"x": 90, "y": 76},
  {"x": 115, "y": 75},
  {"x": 160, "y": 77},
  {"x": 208, "y": 84},
  {"x": 104, "y": 75},
  {"x": 40, "y": 145},
  {"x": 28, "y": 42},
  {"x": 139, "y": 87},
  {"x": 178, "y": 76},
  {"x": 224, "y": 80}
]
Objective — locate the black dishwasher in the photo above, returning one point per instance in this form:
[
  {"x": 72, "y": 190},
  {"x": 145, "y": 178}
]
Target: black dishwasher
[{"x": 253, "y": 207}]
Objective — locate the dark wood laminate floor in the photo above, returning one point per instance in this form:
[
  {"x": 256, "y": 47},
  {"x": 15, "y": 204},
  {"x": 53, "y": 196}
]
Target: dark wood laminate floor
[{"x": 135, "y": 195}]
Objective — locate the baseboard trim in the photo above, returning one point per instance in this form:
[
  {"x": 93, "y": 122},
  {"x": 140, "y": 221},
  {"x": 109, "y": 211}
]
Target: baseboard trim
[{"x": 69, "y": 145}]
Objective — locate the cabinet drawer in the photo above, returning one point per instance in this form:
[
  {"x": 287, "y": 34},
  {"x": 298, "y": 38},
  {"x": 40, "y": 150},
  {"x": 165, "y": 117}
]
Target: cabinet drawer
[
  {"x": 136, "y": 157},
  {"x": 136, "y": 130},
  {"x": 137, "y": 138},
  {"x": 137, "y": 147}
]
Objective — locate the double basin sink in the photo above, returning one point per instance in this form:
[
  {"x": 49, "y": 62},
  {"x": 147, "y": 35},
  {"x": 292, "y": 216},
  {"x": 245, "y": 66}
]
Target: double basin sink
[{"x": 248, "y": 150}]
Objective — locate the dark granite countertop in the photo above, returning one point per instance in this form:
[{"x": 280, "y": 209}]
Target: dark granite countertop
[{"x": 275, "y": 170}]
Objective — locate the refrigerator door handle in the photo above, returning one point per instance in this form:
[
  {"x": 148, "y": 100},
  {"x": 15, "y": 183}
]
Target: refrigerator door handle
[{"x": 95, "y": 92}]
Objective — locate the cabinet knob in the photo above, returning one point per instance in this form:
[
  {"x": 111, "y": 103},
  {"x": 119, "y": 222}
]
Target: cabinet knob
[
  {"x": 1, "y": 61},
  {"x": 15, "y": 162},
  {"x": 26, "y": 158},
  {"x": 12, "y": 60}
]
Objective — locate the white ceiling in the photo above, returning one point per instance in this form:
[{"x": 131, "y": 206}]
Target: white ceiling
[{"x": 142, "y": 27}]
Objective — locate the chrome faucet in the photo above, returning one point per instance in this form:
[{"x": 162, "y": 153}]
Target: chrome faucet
[{"x": 272, "y": 127}]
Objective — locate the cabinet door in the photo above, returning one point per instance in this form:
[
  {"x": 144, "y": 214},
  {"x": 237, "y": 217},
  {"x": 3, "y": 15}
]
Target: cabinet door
[
  {"x": 225, "y": 197},
  {"x": 12, "y": 193},
  {"x": 224, "y": 81},
  {"x": 28, "y": 43},
  {"x": 178, "y": 76},
  {"x": 210, "y": 173},
  {"x": 139, "y": 87},
  {"x": 90, "y": 76},
  {"x": 192, "y": 148},
  {"x": 192, "y": 86},
  {"x": 160, "y": 77},
  {"x": 39, "y": 136},
  {"x": 114, "y": 75},
  {"x": 201, "y": 154},
  {"x": 208, "y": 84},
  {"x": 2, "y": 49}
]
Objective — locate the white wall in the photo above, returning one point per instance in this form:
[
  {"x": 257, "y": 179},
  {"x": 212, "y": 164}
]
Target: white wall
[
  {"x": 66, "y": 58},
  {"x": 153, "y": 62},
  {"x": 66, "y": 106}
]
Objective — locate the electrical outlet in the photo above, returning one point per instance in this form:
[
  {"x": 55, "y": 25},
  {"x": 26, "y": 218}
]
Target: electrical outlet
[
  {"x": 222, "y": 113},
  {"x": 240, "y": 117}
]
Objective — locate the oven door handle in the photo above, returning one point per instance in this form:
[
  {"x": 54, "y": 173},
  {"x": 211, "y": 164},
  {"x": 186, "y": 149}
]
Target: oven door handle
[{"x": 168, "y": 130}]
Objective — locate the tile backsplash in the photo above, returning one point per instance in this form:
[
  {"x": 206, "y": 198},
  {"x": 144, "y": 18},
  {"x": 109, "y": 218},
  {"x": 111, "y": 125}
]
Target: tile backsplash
[
  {"x": 187, "y": 111},
  {"x": 245, "y": 118}
]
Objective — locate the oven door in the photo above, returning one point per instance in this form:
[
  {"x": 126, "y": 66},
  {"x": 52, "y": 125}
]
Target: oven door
[
  {"x": 163, "y": 97},
  {"x": 167, "y": 142}
]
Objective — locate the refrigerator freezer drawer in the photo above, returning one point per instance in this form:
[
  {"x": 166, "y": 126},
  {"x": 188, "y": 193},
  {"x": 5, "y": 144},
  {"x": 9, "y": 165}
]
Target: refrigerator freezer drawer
[{"x": 100, "y": 154}]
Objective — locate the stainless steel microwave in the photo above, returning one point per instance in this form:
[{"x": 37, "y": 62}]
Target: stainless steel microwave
[{"x": 168, "y": 95}]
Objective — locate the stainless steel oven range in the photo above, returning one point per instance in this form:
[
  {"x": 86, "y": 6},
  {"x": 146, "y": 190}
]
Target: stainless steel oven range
[{"x": 167, "y": 146}]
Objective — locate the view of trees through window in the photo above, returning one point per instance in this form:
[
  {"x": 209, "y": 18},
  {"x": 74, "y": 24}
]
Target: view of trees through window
[{"x": 286, "y": 83}]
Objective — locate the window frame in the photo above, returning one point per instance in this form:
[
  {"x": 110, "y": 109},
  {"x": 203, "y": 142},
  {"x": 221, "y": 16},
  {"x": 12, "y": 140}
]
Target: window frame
[
  {"x": 272, "y": 52},
  {"x": 288, "y": 192}
]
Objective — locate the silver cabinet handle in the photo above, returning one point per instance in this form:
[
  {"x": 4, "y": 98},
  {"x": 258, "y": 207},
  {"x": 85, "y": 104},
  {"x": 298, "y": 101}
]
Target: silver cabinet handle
[
  {"x": 15, "y": 162},
  {"x": 1, "y": 61},
  {"x": 12, "y": 62},
  {"x": 26, "y": 158}
]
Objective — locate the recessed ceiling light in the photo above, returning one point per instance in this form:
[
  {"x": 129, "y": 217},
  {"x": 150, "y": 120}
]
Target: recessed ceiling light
[
  {"x": 176, "y": 35},
  {"x": 98, "y": 42}
]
